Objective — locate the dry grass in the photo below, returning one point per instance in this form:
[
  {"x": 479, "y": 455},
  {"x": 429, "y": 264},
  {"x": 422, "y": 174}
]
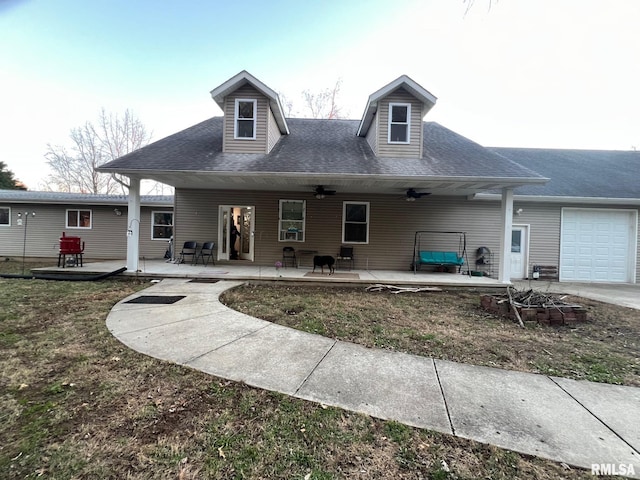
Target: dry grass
[
  {"x": 75, "y": 403},
  {"x": 451, "y": 325}
]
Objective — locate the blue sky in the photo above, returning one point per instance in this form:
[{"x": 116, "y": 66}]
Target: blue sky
[{"x": 535, "y": 74}]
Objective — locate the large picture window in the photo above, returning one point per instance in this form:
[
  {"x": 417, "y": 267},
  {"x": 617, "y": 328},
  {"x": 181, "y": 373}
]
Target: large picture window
[
  {"x": 355, "y": 224},
  {"x": 291, "y": 223},
  {"x": 161, "y": 225},
  {"x": 5, "y": 216},
  {"x": 79, "y": 218},
  {"x": 245, "y": 125},
  {"x": 399, "y": 122}
]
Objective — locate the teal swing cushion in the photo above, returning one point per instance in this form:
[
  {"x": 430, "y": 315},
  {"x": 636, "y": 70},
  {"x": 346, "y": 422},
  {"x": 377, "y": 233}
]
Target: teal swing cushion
[{"x": 440, "y": 258}]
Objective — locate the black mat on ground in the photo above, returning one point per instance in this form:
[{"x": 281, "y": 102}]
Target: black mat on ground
[
  {"x": 156, "y": 299},
  {"x": 204, "y": 280}
]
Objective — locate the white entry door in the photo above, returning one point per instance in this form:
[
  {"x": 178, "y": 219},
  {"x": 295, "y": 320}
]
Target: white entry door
[
  {"x": 519, "y": 251},
  {"x": 235, "y": 232}
]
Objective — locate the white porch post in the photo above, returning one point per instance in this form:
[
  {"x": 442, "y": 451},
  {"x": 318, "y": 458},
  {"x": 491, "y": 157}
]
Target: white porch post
[
  {"x": 504, "y": 275},
  {"x": 133, "y": 225}
]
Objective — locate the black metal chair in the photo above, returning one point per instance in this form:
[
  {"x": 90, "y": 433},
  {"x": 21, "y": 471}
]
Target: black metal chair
[
  {"x": 206, "y": 253},
  {"x": 345, "y": 255},
  {"x": 289, "y": 256},
  {"x": 189, "y": 249}
]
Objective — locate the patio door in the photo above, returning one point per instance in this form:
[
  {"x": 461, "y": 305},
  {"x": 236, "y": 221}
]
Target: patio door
[
  {"x": 235, "y": 232},
  {"x": 519, "y": 251}
]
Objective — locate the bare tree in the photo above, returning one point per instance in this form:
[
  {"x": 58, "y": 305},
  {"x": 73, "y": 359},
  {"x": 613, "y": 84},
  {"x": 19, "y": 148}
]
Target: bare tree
[
  {"x": 74, "y": 169},
  {"x": 324, "y": 104}
]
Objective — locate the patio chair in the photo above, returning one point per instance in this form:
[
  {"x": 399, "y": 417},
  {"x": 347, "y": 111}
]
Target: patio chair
[
  {"x": 189, "y": 249},
  {"x": 206, "y": 253},
  {"x": 345, "y": 255},
  {"x": 289, "y": 256}
]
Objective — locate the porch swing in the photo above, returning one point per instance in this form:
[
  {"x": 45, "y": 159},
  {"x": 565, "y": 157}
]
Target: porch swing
[{"x": 422, "y": 256}]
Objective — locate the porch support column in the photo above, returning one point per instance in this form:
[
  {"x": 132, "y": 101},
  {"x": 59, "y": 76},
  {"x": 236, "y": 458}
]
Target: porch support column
[
  {"x": 504, "y": 275},
  {"x": 133, "y": 225}
]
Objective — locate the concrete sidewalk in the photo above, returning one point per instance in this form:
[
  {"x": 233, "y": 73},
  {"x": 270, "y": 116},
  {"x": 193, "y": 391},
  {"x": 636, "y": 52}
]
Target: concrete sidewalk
[{"x": 576, "y": 422}]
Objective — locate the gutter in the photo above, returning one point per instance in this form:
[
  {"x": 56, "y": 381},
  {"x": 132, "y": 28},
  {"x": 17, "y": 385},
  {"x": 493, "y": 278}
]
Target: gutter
[{"x": 559, "y": 199}]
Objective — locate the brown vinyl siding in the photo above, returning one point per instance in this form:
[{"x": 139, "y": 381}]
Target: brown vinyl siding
[
  {"x": 232, "y": 145},
  {"x": 372, "y": 134},
  {"x": 273, "y": 132},
  {"x": 107, "y": 239},
  {"x": 544, "y": 230},
  {"x": 392, "y": 227},
  {"x": 413, "y": 149},
  {"x": 393, "y": 223}
]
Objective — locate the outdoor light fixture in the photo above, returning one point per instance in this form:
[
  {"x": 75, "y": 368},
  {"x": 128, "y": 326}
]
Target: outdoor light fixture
[
  {"x": 319, "y": 196},
  {"x": 117, "y": 211}
]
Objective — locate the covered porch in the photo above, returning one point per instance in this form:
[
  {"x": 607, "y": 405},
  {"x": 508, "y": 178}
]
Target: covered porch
[{"x": 240, "y": 270}]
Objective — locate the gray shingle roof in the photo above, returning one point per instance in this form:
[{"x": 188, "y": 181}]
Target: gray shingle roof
[
  {"x": 28, "y": 196},
  {"x": 317, "y": 147},
  {"x": 579, "y": 173}
]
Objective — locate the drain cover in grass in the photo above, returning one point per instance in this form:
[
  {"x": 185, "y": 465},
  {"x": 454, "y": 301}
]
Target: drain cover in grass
[
  {"x": 156, "y": 299},
  {"x": 204, "y": 280}
]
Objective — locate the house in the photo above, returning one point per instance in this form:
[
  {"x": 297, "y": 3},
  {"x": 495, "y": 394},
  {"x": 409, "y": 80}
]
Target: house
[
  {"x": 386, "y": 185},
  {"x": 33, "y": 222}
]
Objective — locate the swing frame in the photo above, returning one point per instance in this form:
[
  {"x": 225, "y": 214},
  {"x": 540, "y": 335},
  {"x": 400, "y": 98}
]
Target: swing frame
[{"x": 461, "y": 255}]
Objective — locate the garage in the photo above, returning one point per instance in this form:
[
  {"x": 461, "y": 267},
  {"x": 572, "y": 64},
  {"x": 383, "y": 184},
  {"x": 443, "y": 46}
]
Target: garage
[{"x": 598, "y": 245}]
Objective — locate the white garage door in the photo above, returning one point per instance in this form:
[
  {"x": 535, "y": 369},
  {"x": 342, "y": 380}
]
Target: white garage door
[{"x": 597, "y": 245}]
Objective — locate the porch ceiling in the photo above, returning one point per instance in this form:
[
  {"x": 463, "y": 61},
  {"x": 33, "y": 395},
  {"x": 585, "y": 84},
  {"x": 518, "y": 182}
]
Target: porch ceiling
[{"x": 341, "y": 183}]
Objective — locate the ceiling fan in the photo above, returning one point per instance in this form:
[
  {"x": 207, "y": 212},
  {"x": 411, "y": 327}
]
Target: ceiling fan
[
  {"x": 320, "y": 192},
  {"x": 412, "y": 195}
]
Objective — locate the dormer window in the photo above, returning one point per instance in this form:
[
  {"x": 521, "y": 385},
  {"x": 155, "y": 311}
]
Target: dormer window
[
  {"x": 399, "y": 122},
  {"x": 245, "y": 122}
]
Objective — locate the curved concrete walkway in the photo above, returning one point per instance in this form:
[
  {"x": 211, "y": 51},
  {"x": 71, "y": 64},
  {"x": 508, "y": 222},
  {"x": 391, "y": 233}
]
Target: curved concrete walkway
[{"x": 576, "y": 422}]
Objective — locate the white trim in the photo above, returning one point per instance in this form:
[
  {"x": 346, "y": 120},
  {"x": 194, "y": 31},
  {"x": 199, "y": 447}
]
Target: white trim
[
  {"x": 344, "y": 214},
  {"x": 153, "y": 223},
  {"x": 427, "y": 99},
  {"x": 391, "y": 122},
  {"x": 236, "y": 117},
  {"x": 304, "y": 220},
  {"x": 222, "y": 91},
  {"x": 8, "y": 224},
  {"x": 560, "y": 199},
  {"x": 78, "y": 210}
]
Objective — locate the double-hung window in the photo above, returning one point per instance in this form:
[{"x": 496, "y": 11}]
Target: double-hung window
[
  {"x": 5, "y": 216},
  {"x": 161, "y": 225},
  {"x": 355, "y": 222},
  {"x": 291, "y": 223},
  {"x": 78, "y": 218},
  {"x": 399, "y": 122},
  {"x": 245, "y": 119}
]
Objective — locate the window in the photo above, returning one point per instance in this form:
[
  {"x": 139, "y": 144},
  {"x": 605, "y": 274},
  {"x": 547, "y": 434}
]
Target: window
[
  {"x": 78, "y": 218},
  {"x": 5, "y": 216},
  {"x": 399, "y": 122},
  {"x": 161, "y": 225},
  {"x": 245, "y": 126},
  {"x": 291, "y": 223},
  {"x": 355, "y": 225}
]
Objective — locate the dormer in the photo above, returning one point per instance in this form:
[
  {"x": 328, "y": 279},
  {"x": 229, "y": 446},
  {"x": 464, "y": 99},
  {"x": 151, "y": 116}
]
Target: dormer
[
  {"x": 392, "y": 120},
  {"x": 253, "y": 115}
]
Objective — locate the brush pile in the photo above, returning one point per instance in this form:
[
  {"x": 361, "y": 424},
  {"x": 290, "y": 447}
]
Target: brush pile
[{"x": 533, "y": 306}]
